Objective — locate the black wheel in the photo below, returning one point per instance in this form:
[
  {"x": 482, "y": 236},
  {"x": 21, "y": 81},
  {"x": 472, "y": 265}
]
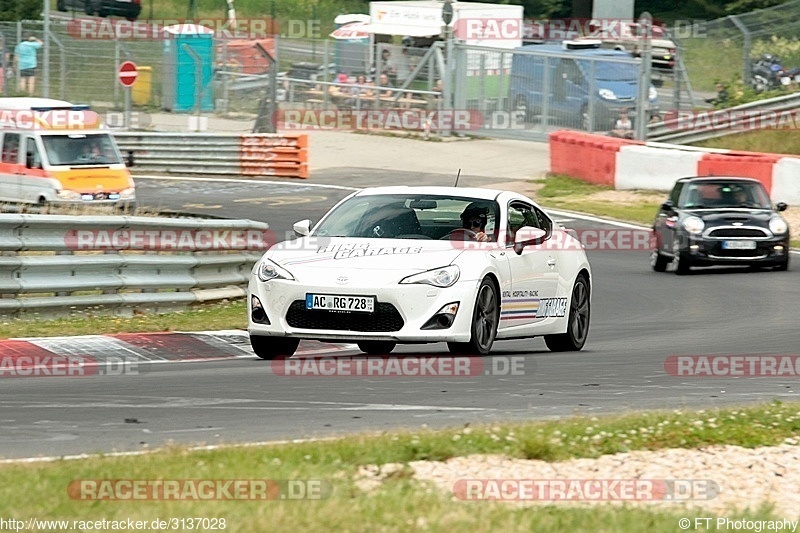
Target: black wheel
[
  {"x": 89, "y": 8},
  {"x": 578, "y": 322},
  {"x": 272, "y": 347},
  {"x": 60, "y": 5},
  {"x": 485, "y": 318},
  {"x": 682, "y": 264},
  {"x": 783, "y": 266},
  {"x": 377, "y": 347},
  {"x": 658, "y": 261}
]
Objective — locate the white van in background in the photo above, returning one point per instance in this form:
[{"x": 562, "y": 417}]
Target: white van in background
[{"x": 54, "y": 152}]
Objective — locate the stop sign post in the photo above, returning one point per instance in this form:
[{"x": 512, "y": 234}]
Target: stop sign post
[{"x": 127, "y": 74}]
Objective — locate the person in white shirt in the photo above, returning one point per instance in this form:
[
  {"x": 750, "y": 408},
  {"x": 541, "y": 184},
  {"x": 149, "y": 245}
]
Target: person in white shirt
[{"x": 623, "y": 127}]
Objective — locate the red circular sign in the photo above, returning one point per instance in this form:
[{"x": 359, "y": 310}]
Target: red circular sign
[{"x": 127, "y": 73}]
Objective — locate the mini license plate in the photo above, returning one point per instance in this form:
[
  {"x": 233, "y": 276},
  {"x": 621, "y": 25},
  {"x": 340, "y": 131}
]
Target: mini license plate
[
  {"x": 739, "y": 245},
  {"x": 340, "y": 302}
]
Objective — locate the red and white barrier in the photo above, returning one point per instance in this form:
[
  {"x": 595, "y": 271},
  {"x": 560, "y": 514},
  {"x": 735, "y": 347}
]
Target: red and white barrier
[{"x": 635, "y": 165}]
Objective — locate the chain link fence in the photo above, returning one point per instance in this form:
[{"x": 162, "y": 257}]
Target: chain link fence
[{"x": 725, "y": 49}]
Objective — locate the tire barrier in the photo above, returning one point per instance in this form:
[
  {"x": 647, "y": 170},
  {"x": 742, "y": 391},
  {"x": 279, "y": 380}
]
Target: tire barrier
[
  {"x": 235, "y": 155},
  {"x": 625, "y": 164}
]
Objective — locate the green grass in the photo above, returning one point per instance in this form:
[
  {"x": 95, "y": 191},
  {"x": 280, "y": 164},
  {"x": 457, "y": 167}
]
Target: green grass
[
  {"x": 563, "y": 192},
  {"x": 769, "y": 141},
  {"x": 226, "y": 315},
  {"x": 400, "y": 502}
]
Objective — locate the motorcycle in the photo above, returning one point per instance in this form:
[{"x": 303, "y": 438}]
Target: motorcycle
[{"x": 768, "y": 73}]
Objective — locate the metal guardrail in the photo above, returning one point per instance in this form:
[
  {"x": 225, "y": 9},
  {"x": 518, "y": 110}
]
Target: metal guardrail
[
  {"x": 59, "y": 264},
  {"x": 722, "y": 121},
  {"x": 217, "y": 154}
]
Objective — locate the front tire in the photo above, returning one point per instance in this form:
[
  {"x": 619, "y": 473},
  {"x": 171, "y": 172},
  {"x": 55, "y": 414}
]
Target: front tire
[
  {"x": 658, "y": 261},
  {"x": 485, "y": 318},
  {"x": 783, "y": 266},
  {"x": 272, "y": 347},
  {"x": 578, "y": 323},
  {"x": 682, "y": 264},
  {"x": 376, "y": 347}
]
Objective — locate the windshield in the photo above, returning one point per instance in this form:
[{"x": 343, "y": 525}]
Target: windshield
[
  {"x": 608, "y": 71},
  {"x": 412, "y": 216},
  {"x": 724, "y": 194},
  {"x": 77, "y": 149}
]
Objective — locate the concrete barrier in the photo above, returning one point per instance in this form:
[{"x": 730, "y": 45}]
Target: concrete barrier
[{"x": 645, "y": 167}]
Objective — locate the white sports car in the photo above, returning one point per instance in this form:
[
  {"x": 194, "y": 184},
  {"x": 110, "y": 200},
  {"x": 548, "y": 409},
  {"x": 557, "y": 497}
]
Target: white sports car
[{"x": 395, "y": 265}]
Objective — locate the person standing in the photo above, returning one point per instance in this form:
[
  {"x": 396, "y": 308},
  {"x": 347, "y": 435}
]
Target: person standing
[{"x": 25, "y": 55}]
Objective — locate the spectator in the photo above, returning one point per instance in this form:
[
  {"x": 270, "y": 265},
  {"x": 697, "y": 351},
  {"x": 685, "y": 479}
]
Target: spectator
[
  {"x": 25, "y": 54},
  {"x": 722, "y": 96},
  {"x": 623, "y": 127},
  {"x": 384, "y": 82}
]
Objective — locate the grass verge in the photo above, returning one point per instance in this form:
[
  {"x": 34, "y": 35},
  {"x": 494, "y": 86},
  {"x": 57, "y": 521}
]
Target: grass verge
[
  {"x": 399, "y": 503},
  {"x": 769, "y": 141},
  {"x": 225, "y": 315}
]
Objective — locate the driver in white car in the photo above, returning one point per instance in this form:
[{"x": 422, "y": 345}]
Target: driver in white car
[{"x": 473, "y": 218}]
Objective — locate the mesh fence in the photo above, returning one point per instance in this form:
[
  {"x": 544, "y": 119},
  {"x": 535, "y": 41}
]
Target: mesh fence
[{"x": 725, "y": 49}]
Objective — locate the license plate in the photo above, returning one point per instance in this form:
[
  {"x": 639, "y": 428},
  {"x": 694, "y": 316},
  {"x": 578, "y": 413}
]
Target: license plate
[
  {"x": 341, "y": 302},
  {"x": 739, "y": 245}
]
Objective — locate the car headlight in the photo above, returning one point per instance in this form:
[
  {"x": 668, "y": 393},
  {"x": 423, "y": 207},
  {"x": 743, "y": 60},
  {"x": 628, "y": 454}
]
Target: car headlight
[
  {"x": 652, "y": 94},
  {"x": 607, "y": 94},
  {"x": 777, "y": 225},
  {"x": 694, "y": 224},
  {"x": 438, "y": 277},
  {"x": 127, "y": 194},
  {"x": 269, "y": 270},
  {"x": 68, "y": 195}
]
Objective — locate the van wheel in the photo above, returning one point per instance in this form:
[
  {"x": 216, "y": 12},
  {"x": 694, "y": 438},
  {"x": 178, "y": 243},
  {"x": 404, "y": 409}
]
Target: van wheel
[
  {"x": 42, "y": 205},
  {"x": 60, "y": 5},
  {"x": 88, "y": 8}
]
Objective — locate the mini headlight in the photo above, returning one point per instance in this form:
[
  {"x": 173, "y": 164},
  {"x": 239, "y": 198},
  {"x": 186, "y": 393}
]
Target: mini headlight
[
  {"x": 608, "y": 94},
  {"x": 438, "y": 277},
  {"x": 777, "y": 225},
  {"x": 694, "y": 224},
  {"x": 652, "y": 94},
  {"x": 269, "y": 270}
]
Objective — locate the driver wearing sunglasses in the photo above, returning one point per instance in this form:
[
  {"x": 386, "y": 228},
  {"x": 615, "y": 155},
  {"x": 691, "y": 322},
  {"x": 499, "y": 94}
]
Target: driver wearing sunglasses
[{"x": 474, "y": 219}]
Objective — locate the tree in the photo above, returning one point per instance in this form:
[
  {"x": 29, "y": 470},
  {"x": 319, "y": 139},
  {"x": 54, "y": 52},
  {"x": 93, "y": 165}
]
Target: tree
[{"x": 20, "y": 9}]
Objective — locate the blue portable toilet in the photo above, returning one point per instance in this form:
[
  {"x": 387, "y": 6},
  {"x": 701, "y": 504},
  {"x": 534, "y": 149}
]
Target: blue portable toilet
[{"x": 181, "y": 83}]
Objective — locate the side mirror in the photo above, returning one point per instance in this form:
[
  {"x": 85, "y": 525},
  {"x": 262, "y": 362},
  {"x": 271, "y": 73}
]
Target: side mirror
[
  {"x": 130, "y": 161},
  {"x": 667, "y": 206},
  {"x": 528, "y": 236},
  {"x": 302, "y": 228},
  {"x": 781, "y": 206}
]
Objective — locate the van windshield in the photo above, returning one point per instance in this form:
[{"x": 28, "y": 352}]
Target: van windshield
[
  {"x": 608, "y": 71},
  {"x": 77, "y": 149}
]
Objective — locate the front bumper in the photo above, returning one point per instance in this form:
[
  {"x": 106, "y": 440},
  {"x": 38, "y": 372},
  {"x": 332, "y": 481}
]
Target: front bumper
[
  {"x": 703, "y": 251},
  {"x": 400, "y": 314}
]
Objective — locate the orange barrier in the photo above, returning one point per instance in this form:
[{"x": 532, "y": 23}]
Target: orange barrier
[
  {"x": 733, "y": 163},
  {"x": 266, "y": 154},
  {"x": 586, "y": 156}
]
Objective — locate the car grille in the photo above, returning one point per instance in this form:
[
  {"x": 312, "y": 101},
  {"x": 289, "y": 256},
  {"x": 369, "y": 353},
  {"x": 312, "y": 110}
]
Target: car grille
[
  {"x": 737, "y": 232},
  {"x": 384, "y": 318}
]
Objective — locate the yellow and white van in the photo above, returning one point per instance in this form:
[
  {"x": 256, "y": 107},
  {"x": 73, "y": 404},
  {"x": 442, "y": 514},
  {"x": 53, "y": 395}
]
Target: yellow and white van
[{"x": 53, "y": 152}]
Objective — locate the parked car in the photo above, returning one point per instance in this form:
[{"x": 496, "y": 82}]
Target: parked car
[
  {"x": 627, "y": 36},
  {"x": 590, "y": 78},
  {"x": 129, "y": 9},
  {"x": 720, "y": 221}
]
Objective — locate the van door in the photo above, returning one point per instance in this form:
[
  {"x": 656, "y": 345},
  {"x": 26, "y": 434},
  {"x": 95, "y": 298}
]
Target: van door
[
  {"x": 568, "y": 92},
  {"x": 32, "y": 183},
  {"x": 10, "y": 167}
]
